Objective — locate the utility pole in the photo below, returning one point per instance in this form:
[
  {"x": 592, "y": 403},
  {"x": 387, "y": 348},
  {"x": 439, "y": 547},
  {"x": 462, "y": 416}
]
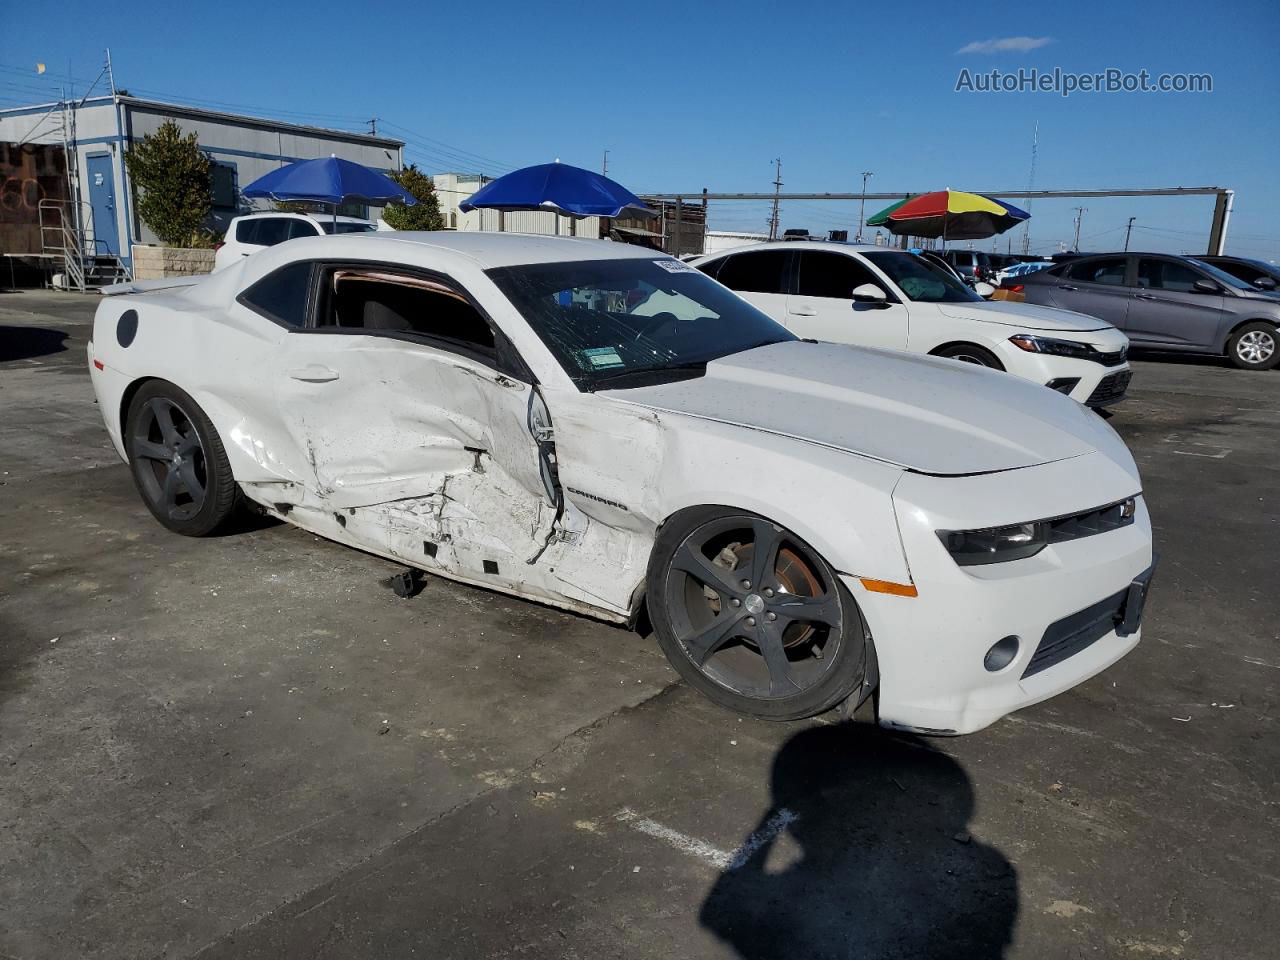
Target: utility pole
[
  {"x": 373, "y": 125},
  {"x": 1127, "y": 231},
  {"x": 862, "y": 206},
  {"x": 604, "y": 167},
  {"x": 1031, "y": 185},
  {"x": 777, "y": 189},
  {"x": 1079, "y": 220}
]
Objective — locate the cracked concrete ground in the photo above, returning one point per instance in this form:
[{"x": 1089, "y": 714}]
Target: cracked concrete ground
[{"x": 247, "y": 747}]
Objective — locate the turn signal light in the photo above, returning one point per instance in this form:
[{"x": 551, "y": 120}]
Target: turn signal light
[
  {"x": 98, "y": 364},
  {"x": 889, "y": 587}
]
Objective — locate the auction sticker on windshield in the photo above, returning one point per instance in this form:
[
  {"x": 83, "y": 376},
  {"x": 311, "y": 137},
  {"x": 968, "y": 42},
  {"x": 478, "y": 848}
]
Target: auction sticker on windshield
[
  {"x": 602, "y": 358},
  {"x": 675, "y": 266}
]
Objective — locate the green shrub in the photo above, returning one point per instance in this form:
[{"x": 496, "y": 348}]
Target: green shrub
[
  {"x": 425, "y": 214},
  {"x": 174, "y": 178}
]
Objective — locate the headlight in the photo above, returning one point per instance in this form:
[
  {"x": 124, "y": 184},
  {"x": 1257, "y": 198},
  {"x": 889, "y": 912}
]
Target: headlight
[
  {"x": 1019, "y": 540},
  {"x": 1058, "y": 348},
  {"x": 995, "y": 545}
]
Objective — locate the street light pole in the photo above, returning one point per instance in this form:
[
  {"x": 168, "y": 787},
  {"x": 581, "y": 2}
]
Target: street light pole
[
  {"x": 862, "y": 206},
  {"x": 1127, "y": 231}
]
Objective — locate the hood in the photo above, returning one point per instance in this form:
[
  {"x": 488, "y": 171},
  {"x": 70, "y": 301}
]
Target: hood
[
  {"x": 921, "y": 413},
  {"x": 1028, "y": 316}
]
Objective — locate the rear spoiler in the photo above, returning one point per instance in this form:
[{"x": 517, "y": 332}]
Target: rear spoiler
[{"x": 145, "y": 286}]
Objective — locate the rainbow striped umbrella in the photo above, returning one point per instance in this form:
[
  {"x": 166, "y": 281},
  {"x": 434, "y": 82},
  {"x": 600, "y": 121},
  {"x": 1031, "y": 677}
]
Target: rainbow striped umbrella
[{"x": 949, "y": 214}]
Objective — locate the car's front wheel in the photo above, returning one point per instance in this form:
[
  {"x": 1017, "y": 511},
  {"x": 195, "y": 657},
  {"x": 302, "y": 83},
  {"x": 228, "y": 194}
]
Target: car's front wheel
[
  {"x": 751, "y": 616},
  {"x": 179, "y": 464},
  {"x": 1253, "y": 347},
  {"x": 971, "y": 353}
]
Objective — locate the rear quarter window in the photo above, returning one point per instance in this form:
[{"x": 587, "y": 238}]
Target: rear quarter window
[{"x": 282, "y": 296}]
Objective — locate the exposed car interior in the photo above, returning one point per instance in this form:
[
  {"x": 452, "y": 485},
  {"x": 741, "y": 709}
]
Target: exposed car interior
[{"x": 383, "y": 301}]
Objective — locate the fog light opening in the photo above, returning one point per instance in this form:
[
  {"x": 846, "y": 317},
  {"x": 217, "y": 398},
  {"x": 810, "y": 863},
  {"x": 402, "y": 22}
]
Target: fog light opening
[
  {"x": 1001, "y": 654},
  {"x": 1063, "y": 384}
]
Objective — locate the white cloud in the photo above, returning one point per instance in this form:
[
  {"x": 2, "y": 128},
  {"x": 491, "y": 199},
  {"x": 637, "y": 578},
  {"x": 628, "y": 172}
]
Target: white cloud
[{"x": 1005, "y": 45}]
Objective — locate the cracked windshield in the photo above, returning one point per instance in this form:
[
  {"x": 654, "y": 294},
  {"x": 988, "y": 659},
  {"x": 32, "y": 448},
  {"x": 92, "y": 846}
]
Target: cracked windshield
[{"x": 632, "y": 322}]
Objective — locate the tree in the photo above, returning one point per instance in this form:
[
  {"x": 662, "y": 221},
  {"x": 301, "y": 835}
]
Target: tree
[
  {"x": 423, "y": 215},
  {"x": 175, "y": 177}
]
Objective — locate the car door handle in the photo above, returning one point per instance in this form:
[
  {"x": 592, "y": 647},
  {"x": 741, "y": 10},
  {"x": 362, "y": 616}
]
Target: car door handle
[
  {"x": 1067, "y": 286},
  {"x": 314, "y": 373},
  {"x": 805, "y": 311},
  {"x": 1145, "y": 296}
]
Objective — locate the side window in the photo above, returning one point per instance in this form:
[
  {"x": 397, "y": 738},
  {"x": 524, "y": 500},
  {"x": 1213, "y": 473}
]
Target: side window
[
  {"x": 247, "y": 231},
  {"x": 712, "y": 268},
  {"x": 382, "y": 301},
  {"x": 756, "y": 272},
  {"x": 1166, "y": 275},
  {"x": 273, "y": 230},
  {"x": 281, "y": 296},
  {"x": 826, "y": 274},
  {"x": 301, "y": 228},
  {"x": 1108, "y": 270}
]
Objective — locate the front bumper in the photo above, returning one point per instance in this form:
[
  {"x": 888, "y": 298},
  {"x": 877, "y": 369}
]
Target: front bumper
[
  {"x": 1096, "y": 385},
  {"x": 931, "y": 648}
]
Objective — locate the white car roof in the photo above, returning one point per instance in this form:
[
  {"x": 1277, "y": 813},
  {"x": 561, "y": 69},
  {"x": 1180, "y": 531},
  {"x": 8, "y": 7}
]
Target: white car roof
[
  {"x": 509, "y": 249},
  {"x": 307, "y": 214},
  {"x": 809, "y": 245}
]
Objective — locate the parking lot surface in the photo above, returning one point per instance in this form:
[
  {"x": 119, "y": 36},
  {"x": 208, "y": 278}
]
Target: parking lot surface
[{"x": 247, "y": 746}]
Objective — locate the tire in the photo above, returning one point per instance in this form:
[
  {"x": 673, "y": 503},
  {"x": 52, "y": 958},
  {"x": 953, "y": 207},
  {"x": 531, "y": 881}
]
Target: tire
[
  {"x": 971, "y": 353},
  {"x": 754, "y": 649},
  {"x": 1255, "y": 346},
  {"x": 178, "y": 462}
]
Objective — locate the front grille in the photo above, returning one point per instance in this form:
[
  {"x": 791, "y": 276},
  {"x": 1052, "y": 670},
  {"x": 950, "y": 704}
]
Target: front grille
[
  {"x": 1072, "y": 634},
  {"x": 1113, "y": 359},
  {"x": 1110, "y": 389},
  {"x": 1101, "y": 520}
]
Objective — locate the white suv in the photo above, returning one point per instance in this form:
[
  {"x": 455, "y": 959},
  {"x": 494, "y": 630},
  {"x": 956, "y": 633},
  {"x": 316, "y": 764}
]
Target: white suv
[
  {"x": 876, "y": 297},
  {"x": 257, "y": 231}
]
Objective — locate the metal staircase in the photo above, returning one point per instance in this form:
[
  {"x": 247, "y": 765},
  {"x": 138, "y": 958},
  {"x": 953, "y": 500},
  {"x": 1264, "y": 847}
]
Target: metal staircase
[{"x": 66, "y": 239}]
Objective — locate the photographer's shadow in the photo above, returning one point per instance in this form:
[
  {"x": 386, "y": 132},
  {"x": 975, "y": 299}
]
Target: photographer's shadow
[{"x": 885, "y": 868}]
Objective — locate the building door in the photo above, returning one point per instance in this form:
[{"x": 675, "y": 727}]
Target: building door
[{"x": 102, "y": 200}]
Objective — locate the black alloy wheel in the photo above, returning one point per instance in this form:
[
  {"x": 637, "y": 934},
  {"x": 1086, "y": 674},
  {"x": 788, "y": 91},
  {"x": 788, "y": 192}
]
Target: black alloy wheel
[
  {"x": 179, "y": 465},
  {"x": 752, "y": 616}
]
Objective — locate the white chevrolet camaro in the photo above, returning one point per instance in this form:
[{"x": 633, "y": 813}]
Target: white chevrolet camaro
[
  {"x": 880, "y": 297},
  {"x": 605, "y": 429}
]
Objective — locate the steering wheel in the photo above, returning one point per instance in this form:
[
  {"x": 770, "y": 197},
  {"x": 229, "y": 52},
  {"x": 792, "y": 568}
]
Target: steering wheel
[{"x": 656, "y": 323}]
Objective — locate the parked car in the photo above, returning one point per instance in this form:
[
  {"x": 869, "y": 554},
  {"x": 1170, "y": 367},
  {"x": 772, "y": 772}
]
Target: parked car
[
  {"x": 1265, "y": 276},
  {"x": 877, "y": 297},
  {"x": 256, "y": 231},
  {"x": 1173, "y": 303},
  {"x": 603, "y": 428},
  {"x": 970, "y": 264}
]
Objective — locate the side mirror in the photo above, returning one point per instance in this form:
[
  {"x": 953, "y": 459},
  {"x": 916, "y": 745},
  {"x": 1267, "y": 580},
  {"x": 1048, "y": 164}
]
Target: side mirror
[
  {"x": 1206, "y": 286},
  {"x": 869, "y": 293},
  {"x": 1265, "y": 283},
  {"x": 983, "y": 289}
]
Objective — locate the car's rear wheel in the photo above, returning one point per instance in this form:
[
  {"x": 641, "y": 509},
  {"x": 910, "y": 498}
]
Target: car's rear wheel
[
  {"x": 1254, "y": 347},
  {"x": 971, "y": 353},
  {"x": 751, "y": 616},
  {"x": 179, "y": 464}
]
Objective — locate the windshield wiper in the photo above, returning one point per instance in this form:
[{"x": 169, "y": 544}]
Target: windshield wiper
[{"x": 651, "y": 374}]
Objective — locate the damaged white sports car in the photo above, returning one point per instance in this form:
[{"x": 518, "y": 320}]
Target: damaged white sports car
[{"x": 605, "y": 429}]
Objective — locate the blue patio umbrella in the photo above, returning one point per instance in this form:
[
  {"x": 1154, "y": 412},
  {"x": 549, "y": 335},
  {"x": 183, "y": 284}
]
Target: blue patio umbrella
[
  {"x": 557, "y": 187},
  {"x": 329, "y": 180}
]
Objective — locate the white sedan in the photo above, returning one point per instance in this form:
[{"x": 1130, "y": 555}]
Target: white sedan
[
  {"x": 879, "y": 297},
  {"x": 605, "y": 429}
]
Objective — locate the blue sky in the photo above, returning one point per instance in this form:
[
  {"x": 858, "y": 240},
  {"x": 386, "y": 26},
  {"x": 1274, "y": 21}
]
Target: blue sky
[{"x": 687, "y": 95}]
